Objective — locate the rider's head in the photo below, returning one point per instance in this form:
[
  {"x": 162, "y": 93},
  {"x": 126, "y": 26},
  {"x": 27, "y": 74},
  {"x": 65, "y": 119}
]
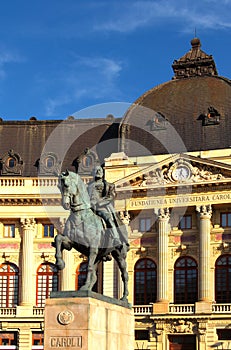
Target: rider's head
[{"x": 98, "y": 172}]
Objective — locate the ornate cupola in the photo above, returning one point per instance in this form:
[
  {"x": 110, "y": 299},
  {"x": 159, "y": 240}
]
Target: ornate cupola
[{"x": 194, "y": 63}]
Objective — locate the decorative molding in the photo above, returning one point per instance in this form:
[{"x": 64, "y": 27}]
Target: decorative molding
[
  {"x": 163, "y": 214},
  {"x": 11, "y": 164},
  {"x": 125, "y": 217},
  {"x": 223, "y": 248},
  {"x": 185, "y": 170},
  {"x": 48, "y": 164},
  {"x": 28, "y": 223},
  {"x": 7, "y": 201},
  {"x": 204, "y": 211},
  {"x": 180, "y": 326}
]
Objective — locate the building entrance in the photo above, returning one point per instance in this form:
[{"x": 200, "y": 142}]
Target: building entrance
[{"x": 182, "y": 342}]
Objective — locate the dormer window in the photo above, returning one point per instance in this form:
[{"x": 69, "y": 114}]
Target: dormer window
[
  {"x": 11, "y": 164},
  {"x": 212, "y": 117},
  {"x": 48, "y": 164}
]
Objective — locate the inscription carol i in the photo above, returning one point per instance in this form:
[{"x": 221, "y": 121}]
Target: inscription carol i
[{"x": 66, "y": 342}]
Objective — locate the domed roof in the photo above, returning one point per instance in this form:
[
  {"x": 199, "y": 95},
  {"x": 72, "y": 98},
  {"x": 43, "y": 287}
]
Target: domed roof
[{"x": 189, "y": 113}]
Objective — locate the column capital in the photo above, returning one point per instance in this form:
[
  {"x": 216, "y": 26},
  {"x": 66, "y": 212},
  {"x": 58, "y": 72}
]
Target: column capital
[
  {"x": 28, "y": 223},
  {"x": 163, "y": 214},
  {"x": 125, "y": 217},
  {"x": 204, "y": 210}
]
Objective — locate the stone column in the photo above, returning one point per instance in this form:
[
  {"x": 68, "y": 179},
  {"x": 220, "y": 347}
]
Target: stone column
[
  {"x": 28, "y": 231},
  {"x": 67, "y": 276},
  {"x": 162, "y": 277},
  {"x": 205, "y": 213},
  {"x": 108, "y": 279},
  {"x": 162, "y": 267}
]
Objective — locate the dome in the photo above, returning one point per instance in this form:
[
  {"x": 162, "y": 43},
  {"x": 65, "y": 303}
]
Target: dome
[{"x": 189, "y": 113}]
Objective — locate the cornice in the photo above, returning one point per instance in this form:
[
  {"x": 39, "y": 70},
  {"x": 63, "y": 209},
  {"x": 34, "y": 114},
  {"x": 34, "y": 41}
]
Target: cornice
[{"x": 29, "y": 201}]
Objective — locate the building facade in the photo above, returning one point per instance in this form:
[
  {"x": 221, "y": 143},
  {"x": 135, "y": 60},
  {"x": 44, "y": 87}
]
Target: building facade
[{"x": 170, "y": 160}]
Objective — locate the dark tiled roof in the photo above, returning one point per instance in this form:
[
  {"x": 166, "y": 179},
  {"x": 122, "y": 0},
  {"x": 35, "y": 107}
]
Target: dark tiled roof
[
  {"x": 182, "y": 102},
  {"x": 27, "y": 139},
  {"x": 189, "y": 113}
]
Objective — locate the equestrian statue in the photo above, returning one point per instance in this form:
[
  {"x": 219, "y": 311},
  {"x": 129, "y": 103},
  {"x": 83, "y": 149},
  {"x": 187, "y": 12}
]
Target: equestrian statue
[{"x": 93, "y": 227}]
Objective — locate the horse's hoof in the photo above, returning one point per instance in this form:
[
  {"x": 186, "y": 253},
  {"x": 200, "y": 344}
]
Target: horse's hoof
[
  {"x": 125, "y": 301},
  {"x": 85, "y": 288}
]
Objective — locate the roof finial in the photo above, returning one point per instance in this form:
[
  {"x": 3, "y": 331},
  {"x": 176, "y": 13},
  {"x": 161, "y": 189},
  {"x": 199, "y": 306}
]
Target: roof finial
[{"x": 195, "y": 32}]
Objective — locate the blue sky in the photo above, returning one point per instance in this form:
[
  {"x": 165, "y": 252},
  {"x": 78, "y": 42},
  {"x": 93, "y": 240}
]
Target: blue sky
[{"x": 60, "y": 57}]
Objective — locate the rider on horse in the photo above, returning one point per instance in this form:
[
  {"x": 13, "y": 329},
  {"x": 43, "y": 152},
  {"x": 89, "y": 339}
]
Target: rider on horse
[{"x": 102, "y": 194}]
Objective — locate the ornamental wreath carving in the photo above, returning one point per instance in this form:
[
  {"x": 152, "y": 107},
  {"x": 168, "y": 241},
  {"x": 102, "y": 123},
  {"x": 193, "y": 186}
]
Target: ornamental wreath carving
[{"x": 65, "y": 317}]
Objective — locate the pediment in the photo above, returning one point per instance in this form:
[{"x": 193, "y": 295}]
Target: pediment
[{"x": 177, "y": 170}]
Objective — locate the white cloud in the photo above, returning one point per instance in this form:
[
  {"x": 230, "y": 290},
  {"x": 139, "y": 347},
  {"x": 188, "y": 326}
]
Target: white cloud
[
  {"x": 94, "y": 77},
  {"x": 6, "y": 58},
  {"x": 138, "y": 14},
  {"x": 53, "y": 103}
]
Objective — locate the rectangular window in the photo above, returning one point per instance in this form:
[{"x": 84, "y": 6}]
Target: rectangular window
[
  {"x": 145, "y": 224},
  {"x": 224, "y": 334},
  {"x": 37, "y": 340},
  {"x": 226, "y": 219},
  {"x": 9, "y": 230},
  {"x": 141, "y": 334},
  {"x": 8, "y": 339},
  {"x": 185, "y": 222},
  {"x": 48, "y": 230}
]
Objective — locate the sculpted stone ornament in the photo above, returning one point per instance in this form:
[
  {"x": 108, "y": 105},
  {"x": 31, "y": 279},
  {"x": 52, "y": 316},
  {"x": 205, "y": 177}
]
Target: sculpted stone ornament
[
  {"x": 65, "y": 317},
  {"x": 93, "y": 227}
]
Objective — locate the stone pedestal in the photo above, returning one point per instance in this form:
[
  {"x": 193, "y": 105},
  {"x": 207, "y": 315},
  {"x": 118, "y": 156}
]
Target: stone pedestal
[{"x": 87, "y": 321}]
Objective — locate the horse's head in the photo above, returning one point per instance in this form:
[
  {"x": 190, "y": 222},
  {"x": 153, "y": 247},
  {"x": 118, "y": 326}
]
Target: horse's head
[{"x": 68, "y": 187}]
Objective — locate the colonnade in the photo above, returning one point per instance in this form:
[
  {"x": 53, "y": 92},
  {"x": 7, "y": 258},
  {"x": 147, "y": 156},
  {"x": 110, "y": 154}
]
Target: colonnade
[{"x": 163, "y": 228}]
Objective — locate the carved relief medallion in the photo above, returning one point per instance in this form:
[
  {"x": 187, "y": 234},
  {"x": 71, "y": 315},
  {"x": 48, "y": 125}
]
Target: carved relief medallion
[{"x": 65, "y": 317}]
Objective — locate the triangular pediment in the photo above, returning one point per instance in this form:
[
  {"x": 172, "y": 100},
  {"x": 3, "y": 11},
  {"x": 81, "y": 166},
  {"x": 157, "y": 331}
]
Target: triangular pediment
[{"x": 177, "y": 170}]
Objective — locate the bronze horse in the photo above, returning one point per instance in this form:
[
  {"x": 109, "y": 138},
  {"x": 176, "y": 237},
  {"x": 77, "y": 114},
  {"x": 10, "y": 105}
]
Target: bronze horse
[{"x": 86, "y": 232}]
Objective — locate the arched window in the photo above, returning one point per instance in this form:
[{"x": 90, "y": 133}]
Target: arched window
[
  {"x": 47, "y": 281},
  {"x": 81, "y": 275},
  {"x": 87, "y": 161},
  {"x": 50, "y": 162},
  {"x": 145, "y": 282},
  {"x": 185, "y": 281},
  {"x": 223, "y": 279},
  {"x": 8, "y": 285},
  {"x": 11, "y": 162}
]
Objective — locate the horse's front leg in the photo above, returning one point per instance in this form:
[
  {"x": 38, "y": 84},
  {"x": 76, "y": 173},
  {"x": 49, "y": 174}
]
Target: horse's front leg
[
  {"x": 91, "y": 270},
  {"x": 61, "y": 242}
]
